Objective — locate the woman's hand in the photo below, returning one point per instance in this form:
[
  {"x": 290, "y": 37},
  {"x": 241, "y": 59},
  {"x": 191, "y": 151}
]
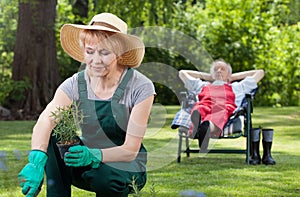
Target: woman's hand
[{"x": 83, "y": 156}]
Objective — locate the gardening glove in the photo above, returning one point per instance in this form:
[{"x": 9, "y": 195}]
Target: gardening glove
[
  {"x": 32, "y": 175},
  {"x": 83, "y": 156}
]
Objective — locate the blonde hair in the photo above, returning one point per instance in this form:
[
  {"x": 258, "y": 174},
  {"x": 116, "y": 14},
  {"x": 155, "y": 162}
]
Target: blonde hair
[{"x": 108, "y": 40}]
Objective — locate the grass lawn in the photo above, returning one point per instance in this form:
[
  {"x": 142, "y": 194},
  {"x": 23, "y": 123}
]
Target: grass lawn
[{"x": 212, "y": 174}]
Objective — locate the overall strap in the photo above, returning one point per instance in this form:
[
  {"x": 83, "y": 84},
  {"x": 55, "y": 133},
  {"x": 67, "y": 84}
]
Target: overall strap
[
  {"x": 85, "y": 105},
  {"x": 122, "y": 86},
  {"x": 82, "y": 90}
]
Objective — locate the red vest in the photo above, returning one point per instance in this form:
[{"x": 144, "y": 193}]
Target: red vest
[{"x": 216, "y": 103}]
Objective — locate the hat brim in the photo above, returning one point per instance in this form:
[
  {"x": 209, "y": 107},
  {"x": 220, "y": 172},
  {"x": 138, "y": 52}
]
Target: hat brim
[{"x": 134, "y": 48}]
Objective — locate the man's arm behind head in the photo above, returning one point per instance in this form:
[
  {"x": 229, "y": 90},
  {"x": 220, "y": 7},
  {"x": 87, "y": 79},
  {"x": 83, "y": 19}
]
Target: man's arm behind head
[{"x": 257, "y": 75}]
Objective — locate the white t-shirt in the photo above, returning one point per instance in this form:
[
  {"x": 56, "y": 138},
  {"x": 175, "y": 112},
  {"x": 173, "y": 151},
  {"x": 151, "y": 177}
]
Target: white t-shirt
[{"x": 139, "y": 88}]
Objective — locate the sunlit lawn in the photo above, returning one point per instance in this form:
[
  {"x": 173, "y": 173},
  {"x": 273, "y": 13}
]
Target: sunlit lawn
[{"x": 212, "y": 174}]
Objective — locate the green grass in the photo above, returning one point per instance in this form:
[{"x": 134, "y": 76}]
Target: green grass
[{"x": 213, "y": 174}]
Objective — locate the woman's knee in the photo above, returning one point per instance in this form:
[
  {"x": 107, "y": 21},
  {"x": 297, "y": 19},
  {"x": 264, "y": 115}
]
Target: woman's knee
[{"x": 106, "y": 183}]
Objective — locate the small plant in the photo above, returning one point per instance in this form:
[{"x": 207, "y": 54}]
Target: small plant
[
  {"x": 136, "y": 191},
  {"x": 152, "y": 190},
  {"x": 67, "y": 119}
]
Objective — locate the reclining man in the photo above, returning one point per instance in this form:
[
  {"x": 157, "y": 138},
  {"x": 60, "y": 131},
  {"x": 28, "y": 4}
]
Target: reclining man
[{"x": 219, "y": 94}]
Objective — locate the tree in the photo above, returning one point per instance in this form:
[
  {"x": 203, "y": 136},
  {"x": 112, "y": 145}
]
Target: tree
[
  {"x": 250, "y": 35},
  {"x": 35, "y": 54}
]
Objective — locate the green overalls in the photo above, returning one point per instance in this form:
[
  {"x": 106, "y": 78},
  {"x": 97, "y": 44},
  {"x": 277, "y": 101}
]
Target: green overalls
[{"x": 104, "y": 126}]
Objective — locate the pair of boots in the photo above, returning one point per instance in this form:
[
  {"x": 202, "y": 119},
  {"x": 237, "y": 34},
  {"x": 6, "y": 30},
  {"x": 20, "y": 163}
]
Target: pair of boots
[
  {"x": 201, "y": 131},
  {"x": 267, "y": 140}
]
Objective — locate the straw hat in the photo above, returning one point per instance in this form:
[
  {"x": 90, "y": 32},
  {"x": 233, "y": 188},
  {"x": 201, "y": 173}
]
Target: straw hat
[{"x": 134, "y": 48}]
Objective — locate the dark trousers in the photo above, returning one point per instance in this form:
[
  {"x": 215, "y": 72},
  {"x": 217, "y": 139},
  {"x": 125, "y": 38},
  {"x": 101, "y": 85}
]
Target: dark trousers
[{"x": 104, "y": 181}]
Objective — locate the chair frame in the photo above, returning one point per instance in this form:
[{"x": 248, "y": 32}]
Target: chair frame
[{"x": 246, "y": 111}]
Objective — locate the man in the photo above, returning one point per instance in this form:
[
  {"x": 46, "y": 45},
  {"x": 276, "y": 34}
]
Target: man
[{"x": 217, "y": 97}]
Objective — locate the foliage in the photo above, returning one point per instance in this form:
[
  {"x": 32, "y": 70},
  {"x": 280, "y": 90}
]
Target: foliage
[
  {"x": 293, "y": 15},
  {"x": 248, "y": 34},
  {"x": 67, "y": 120},
  {"x": 8, "y": 26},
  {"x": 14, "y": 89},
  {"x": 281, "y": 85},
  {"x": 216, "y": 174},
  {"x": 66, "y": 65}
]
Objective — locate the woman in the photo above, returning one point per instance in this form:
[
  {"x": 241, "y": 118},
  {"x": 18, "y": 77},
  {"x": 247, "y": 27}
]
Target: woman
[
  {"x": 116, "y": 101},
  {"x": 217, "y": 97}
]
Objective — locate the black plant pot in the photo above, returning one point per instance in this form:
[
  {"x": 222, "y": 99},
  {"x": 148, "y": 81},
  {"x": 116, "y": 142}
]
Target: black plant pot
[{"x": 63, "y": 148}]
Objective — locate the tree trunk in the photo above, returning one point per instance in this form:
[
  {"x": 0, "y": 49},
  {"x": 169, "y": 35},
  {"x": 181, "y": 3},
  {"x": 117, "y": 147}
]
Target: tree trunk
[
  {"x": 81, "y": 8},
  {"x": 35, "y": 54}
]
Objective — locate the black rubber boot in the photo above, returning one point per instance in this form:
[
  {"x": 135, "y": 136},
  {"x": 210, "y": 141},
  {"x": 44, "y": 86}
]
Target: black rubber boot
[
  {"x": 204, "y": 135},
  {"x": 267, "y": 145},
  {"x": 196, "y": 120},
  {"x": 254, "y": 150}
]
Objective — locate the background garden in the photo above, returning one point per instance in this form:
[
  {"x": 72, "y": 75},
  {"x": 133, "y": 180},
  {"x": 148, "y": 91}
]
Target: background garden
[
  {"x": 248, "y": 34},
  {"x": 188, "y": 34}
]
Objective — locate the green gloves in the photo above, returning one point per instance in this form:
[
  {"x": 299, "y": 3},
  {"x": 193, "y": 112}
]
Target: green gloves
[
  {"x": 32, "y": 174},
  {"x": 82, "y": 156}
]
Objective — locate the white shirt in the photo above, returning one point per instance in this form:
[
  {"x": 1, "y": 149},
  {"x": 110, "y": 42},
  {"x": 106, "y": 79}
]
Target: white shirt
[{"x": 240, "y": 88}]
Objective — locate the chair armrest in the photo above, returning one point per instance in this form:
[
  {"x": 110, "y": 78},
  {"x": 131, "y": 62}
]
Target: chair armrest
[
  {"x": 184, "y": 99},
  {"x": 249, "y": 98}
]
